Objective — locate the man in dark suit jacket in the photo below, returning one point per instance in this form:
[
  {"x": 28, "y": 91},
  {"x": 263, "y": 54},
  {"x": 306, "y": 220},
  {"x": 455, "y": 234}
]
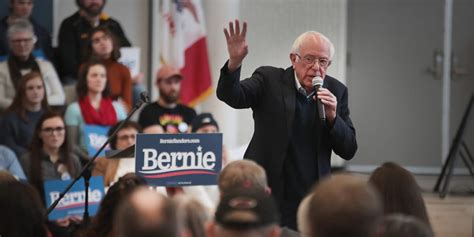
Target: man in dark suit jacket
[{"x": 290, "y": 141}]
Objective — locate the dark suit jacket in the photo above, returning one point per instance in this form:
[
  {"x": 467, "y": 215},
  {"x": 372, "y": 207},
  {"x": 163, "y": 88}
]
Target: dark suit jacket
[{"x": 271, "y": 94}]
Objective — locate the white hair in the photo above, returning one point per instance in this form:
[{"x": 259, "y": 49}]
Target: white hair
[
  {"x": 299, "y": 40},
  {"x": 20, "y": 25}
]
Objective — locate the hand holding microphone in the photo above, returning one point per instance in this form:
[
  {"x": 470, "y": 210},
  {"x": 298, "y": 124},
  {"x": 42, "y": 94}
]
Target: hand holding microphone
[{"x": 325, "y": 100}]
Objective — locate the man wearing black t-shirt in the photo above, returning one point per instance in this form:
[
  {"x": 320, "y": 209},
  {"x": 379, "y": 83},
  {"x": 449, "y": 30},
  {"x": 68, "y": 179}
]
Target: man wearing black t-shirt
[{"x": 174, "y": 117}]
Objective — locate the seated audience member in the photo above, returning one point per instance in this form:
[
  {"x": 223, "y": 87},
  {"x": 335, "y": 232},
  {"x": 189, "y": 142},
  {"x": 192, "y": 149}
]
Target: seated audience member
[
  {"x": 94, "y": 105},
  {"x": 399, "y": 225},
  {"x": 103, "y": 46},
  {"x": 113, "y": 169},
  {"x": 21, "y": 61},
  {"x": 154, "y": 129},
  {"x": 22, "y": 9},
  {"x": 146, "y": 213},
  {"x": 102, "y": 223},
  {"x": 9, "y": 162},
  {"x": 166, "y": 111},
  {"x": 192, "y": 216},
  {"x": 399, "y": 191},
  {"x": 74, "y": 33},
  {"x": 23, "y": 214},
  {"x": 49, "y": 156},
  {"x": 249, "y": 213},
  {"x": 344, "y": 205},
  {"x": 29, "y": 104}
]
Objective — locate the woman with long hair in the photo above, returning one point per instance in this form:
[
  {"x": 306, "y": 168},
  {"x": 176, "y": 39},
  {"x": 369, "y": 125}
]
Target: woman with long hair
[
  {"x": 399, "y": 191},
  {"x": 94, "y": 105},
  {"x": 104, "y": 47},
  {"x": 28, "y": 105},
  {"x": 49, "y": 156}
]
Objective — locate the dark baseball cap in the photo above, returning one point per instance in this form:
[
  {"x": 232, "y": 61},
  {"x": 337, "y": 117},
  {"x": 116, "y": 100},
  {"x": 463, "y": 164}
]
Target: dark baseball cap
[
  {"x": 203, "y": 120},
  {"x": 246, "y": 209}
]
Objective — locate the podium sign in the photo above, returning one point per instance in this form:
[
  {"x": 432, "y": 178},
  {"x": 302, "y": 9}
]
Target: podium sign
[
  {"x": 73, "y": 202},
  {"x": 179, "y": 159}
]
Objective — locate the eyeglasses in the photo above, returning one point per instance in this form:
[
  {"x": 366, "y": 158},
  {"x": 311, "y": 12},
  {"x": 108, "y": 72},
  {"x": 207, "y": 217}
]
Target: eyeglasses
[
  {"x": 311, "y": 60},
  {"x": 126, "y": 137},
  {"x": 51, "y": 130},
  {"x": 24, "y": 41}
]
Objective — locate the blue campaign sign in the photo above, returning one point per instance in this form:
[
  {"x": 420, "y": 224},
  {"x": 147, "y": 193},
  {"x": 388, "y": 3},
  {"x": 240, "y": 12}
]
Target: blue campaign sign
[
  {"x": 95, "y": 136},
  {"x": 72, "y": 203},
  {"x": 179, "y": 159}
]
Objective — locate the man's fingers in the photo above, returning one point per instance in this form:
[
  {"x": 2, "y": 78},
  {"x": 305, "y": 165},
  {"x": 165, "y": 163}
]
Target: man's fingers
[
  {"x": 244, "y": 30},
  {"x": 226, "y": 33},
  {"x": 237, "y": 27},
  {"x": 231, "y": 28}
]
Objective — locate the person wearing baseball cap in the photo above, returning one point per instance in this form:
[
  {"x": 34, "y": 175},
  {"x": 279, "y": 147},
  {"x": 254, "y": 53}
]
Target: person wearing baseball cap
[
  {"x": 204, "y": 123},
  {"x": 246, "y": 212},
  {"x": 166, "y": 111}
]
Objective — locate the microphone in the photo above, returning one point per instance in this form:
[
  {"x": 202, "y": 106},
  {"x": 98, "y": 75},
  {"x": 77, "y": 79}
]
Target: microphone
[
  {"x": 317, "y": 83},
  {"x": 144, "y": 97}
]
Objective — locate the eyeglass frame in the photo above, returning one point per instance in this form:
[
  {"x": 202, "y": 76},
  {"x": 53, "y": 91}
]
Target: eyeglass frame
[
  {"x": 51, "y": 130},
  {"x": 32, "y": 40},
  {"x": 126, "y": 137},
  {"x": 311, "y": 62}
]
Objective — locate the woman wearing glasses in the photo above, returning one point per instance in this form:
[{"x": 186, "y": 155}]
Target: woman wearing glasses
[
  {"x": 49, "y": 158},
  {"x": 21, "y": 39},
  {"x": 28, "y": 105}
]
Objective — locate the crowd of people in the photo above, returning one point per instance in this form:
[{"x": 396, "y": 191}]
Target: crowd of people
[{"x": 283, "y": 187}]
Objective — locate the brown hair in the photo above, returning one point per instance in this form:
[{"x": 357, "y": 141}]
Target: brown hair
[
  {"x": 81, "y": 86},
  {"x": 102, "y": 223},
  {"x": 399, "y": 191},
  {"x": 17, "y": 106},
  {"x": 36, "y": 154},
  {"x": 89, "y": 50}
]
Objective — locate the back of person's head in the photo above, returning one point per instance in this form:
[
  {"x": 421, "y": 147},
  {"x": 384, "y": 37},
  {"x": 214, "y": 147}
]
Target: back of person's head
[
  {"x": 245, "y": 212},
  {"x": 102, "y": 223},
  {"x": 6, "y": 177},
  {"x": 242, "y": 174},
  {"x": 22, "y": 213},
  {"x": 192, "y": 215},
  {"x": 301, "y": 216},
  {"x": 344, "y": 205},
  {"x": 399, "y": 225},
  {"x": 145, "y": 213},
  {"x": 399, "y": 191}
]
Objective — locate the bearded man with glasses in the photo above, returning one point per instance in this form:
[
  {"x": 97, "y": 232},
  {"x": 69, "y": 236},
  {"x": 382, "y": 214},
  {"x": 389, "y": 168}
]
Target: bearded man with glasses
[{"x": 290, "y": 141}]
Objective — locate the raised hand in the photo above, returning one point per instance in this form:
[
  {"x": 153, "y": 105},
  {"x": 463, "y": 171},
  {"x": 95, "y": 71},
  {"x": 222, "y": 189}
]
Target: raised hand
[{"x": 236, "y": 44}]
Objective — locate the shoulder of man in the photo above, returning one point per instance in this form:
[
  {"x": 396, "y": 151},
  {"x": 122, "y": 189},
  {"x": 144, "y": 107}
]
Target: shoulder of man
[{"x": 331, "y": 82}]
